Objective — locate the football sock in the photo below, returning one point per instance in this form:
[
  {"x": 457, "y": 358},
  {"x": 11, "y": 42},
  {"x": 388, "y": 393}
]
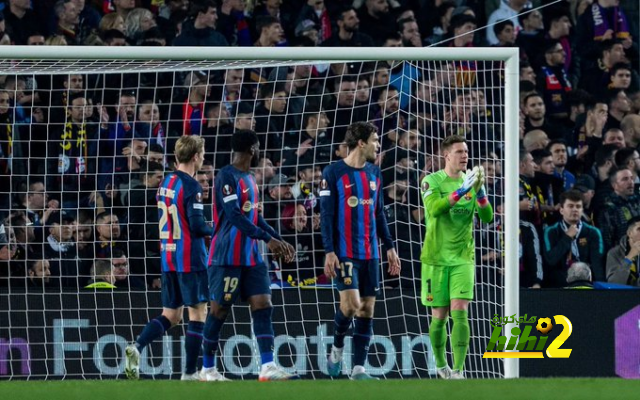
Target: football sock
[
  {"x": 152, "y": 331},
  {"x": 438, "y": 336},
  {"x": 362, "y": 332},
  {"x": 460, "y": 335},
  {"x": 263, "y": 329},
  {"x": 341, "y": 326},
  {"x": 192, "y": 345},
  {"x": 210, "y": 340}
]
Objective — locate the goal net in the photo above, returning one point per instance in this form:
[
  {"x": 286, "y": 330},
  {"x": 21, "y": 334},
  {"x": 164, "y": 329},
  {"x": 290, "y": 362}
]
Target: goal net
[{"x": 87, "y": 134}]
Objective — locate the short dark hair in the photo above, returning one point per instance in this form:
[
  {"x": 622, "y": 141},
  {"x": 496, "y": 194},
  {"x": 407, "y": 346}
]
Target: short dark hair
[
  {"x": 613, "y": 174},
  {"x": 404, "y": 21},
  {"x": 633, "y": 221},
  {"x": 577, "y": 97},
  {"x": 450, "y": 141},
  {"x": 605, "y": 153},
  {"x": 556, "y": 141},
  {"x": 530, "y": 95},
  {"x": 607, "y": 45},
  {"x": 265, "y": 21},
  {"x": 612, "y": 95},
  {"x": 201, "y": 6},
  {"x": 523, "y": 153},
  {"x": 624, "y": 155},
  {"x": 618, "y": 66},
  {"x": 112, "y": 34},
  {"x": 342, "y": 11},
  {"x": 243, "y": 139},
  {"x": 359, "y": 131},
  {"x": 499, "y": 27},
  {"x": 572, "y": 195},
  {"x": 539, "y": 155}
]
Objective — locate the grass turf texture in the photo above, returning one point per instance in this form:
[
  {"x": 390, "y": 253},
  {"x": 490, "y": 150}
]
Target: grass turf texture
[{"x": 539, "y": 389}]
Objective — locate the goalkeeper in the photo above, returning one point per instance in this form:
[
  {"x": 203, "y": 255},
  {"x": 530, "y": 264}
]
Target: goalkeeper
[{"x": 451, "y": 198}]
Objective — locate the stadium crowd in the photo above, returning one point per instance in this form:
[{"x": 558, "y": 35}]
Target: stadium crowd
[{"x": 81, "y": 155}]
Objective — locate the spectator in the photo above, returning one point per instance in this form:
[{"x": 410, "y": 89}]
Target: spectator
[
  {"x": 603, "y": 20},
  {"x": 60, "y": 249},
  {"x": 295, "y": 229},
  {"x": 630, "y": 126},
  {"x": 526, "y": 72},
  {"x": 530, "y": 257},
  {"x": 628, "y": 158},
  {"x": 505, "y": 33},
  {"x": 508, "y": 10},
  {"x": 535, "y": 140},
  {"x": 113, "y": 21},
  {"x": 233, "y": 24},
  {"x": 123, "y": 7},
  {"x": 570, "y": 241},
  {"x": 376, "y": 20},
  {"x": 68, "y": 22},
  {"x": 558, "y": 149},
  {"x": 528, "y": 37},
  {"x": 278, "y": 195},
  {"x": 534, "y": 109},
  {"x": 270, "y": 119},
  {"x": 316, "y": 12},
  {"x": 552, "y": 80},
  {"x": 314, "y": 140},
  {"x": 270, "y": 31},
  {"x": 596, "y": 77},
  {"x": 20, "y": 21},
  {"x": 549, "y": 186},
  {"x": 620, "y": 75},
  {"x": 410, "y": 32},
  {"x": 586, "y": 185},
  {"x": 443, "y": 18},
  {"x": 138, "y": 21},
  {"x": 35, "y": 39},
  {"x": 621, "y": 206},
  {"x": 263, "y": 172},
  {"x": 71, "y": 169},
  {"x": 102, "y": 276},
  {"x": 108, "y": 235},
  {"x": 579, "y": 276},
  {"x": 39, "y": 274},
  {"x": 604, "y": 164},
  {"x": 622, "y": 260},
  {"x": 148, "y": 126},
  {"x": 120, "y": 266},
  {"x": 200, "y": 28},
  {"x": 619, "y": 106},
  {"x": 529, "y": 205}
]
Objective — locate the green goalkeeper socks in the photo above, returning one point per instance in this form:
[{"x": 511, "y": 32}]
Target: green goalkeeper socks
[
  {"x": 438, "y": 336},
  {"x": 460, "y": 335}
]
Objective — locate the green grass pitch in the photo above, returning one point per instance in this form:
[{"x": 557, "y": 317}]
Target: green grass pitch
[{"x": 539, "y": 389}]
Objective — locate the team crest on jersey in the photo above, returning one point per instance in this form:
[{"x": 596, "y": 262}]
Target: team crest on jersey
[
  {"x": 227, "y": 297},
  {"x": 582, "y": 241},
  {"x": 429, "y": 298},
  {"x": 347, "y": 281},
  {"x": 352, "y": 201},
  {"x": 324, "y": 184},
  {"x": 372, "y": 185},
  {"x": 468, "y": 196},
  {"x": 226, "y": 190}
]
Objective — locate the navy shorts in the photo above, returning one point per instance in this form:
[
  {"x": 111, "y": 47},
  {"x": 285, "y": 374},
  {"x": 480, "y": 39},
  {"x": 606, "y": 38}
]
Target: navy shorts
[
  {"x": 363, "y": 275},
  {"x": 184, "y": 289},
  {"x": 226, "y": 283}
]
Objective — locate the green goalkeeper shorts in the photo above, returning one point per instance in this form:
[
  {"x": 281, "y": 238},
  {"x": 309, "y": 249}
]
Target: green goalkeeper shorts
[{"x": 441, "y": 283}]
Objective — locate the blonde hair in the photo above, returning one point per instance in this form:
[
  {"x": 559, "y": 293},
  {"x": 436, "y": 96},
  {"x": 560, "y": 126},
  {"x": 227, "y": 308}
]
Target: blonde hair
[
  {"x": 187, "y": 147},
  {"x": 110, "y": 21},
  {"x": 132, "y": 23},
  {"x": 56, "y": 40}
]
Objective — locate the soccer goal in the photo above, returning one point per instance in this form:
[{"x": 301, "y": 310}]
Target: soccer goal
[{"x": 88, "y": 131}]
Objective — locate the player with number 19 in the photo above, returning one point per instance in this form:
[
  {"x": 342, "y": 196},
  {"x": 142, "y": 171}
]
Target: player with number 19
[
  {"x": 352, "y": 213},
  {"x": 236, "y": 267},
  {"x": 183, "y": 258},
  {"x": 451, "y": 200}
]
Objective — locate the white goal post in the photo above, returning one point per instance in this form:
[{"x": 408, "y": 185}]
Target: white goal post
[{"x": 54, "y": 60}]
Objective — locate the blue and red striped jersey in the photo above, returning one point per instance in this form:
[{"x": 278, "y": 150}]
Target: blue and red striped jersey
[
  {"x": 179, "y": 200},
  {"x": 352, "y": 211},
  {"x": 237, "y": 220}
]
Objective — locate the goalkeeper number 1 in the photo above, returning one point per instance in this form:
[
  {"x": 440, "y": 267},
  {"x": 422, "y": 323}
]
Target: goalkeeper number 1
[{"x": 451, "y": 199}]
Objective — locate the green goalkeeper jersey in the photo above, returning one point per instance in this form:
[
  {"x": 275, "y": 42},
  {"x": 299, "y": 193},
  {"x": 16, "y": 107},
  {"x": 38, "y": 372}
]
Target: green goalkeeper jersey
[{"x": 449, "y": 238}]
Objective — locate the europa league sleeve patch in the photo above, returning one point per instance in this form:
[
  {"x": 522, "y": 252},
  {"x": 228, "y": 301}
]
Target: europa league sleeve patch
[
  {"x": 227, "y": 190},
  {"x": 324, "y": 184},
  {"x": 199, "y": 197}
]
